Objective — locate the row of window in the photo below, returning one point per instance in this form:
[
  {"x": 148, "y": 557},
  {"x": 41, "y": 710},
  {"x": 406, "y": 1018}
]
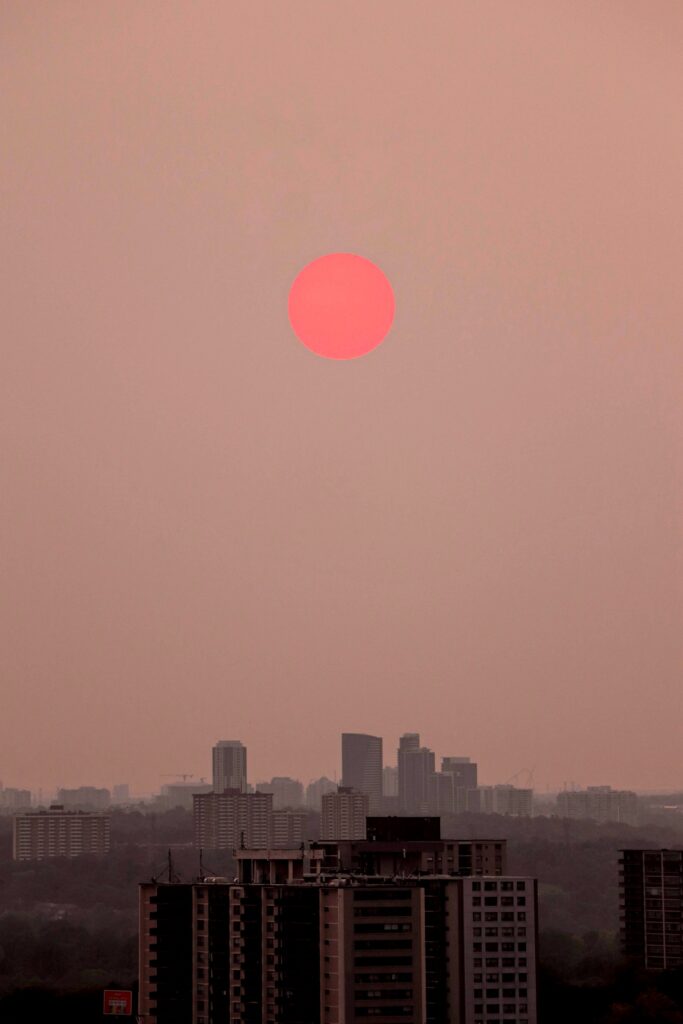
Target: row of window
[
  {"x": 496, "y": 1008},
  {"x": 504, "y": 886},
  {"x": 503, "y": 901},
  {"x": 493, "y": 933},
  {"x": 494, "y": 961},
  {"x": 494, "y": 915}
]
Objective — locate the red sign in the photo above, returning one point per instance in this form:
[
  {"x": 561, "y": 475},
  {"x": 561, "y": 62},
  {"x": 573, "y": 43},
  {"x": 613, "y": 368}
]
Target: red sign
[{"x": 118, "y": 1003}]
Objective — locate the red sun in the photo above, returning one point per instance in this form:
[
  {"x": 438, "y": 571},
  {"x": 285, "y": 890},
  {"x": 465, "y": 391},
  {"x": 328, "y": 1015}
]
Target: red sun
[{"x": 341, "y": 306}]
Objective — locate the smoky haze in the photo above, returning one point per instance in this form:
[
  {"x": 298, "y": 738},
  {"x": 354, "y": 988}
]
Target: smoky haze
[{"x": 475, "y": 531}]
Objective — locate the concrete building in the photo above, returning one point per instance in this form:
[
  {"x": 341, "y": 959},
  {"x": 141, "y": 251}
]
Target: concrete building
[
  {"x": 181, "y": 794},
  {"x": 315, "y": 791},
  {"x": 288, "y": 828},
  {"x": 651, "y": 907},
  {"x": 462, "y": 770},
  {"x": 415, "y": 769},
  {"x": 14, "y": 799},
  {"x": 84, "y": 798},
  {"x": 120, "y": 793},
  {"x": 502, "y": 799},
  {"x": 232, "y": 819},
  {"x": 286, "y": 792},
  {"x": 362, "y": 765},
  {"x": 57, "y": 832},
  {"x": 344, "y": 814},
  {"x": 390, "y": 781},
  {"x": 229, "y": 763},
  {"x": 290, "y": 942},
  {"x": 599, "y": 803}
]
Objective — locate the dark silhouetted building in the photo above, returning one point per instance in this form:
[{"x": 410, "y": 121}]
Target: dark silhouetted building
[
  {"x": 651, "y": 907},
  {"x": 290, "y": 943}
]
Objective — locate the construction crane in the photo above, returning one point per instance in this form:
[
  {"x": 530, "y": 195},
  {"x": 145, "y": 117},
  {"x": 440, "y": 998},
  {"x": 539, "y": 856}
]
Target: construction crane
[{"x": 178, "y": 775}]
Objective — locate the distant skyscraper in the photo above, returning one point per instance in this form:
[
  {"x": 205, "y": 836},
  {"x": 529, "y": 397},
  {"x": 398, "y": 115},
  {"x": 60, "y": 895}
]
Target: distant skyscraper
[
  {"x": 344, "y": 814},
  {"x": 286, "y": 792},
  {"x": 316, "y": 789},
  {"x": 390, "y": 781},
  {"x": 463, "y": 770},
  {"x": 651, "y": 894},
  {"x": 231, "y": 819},
  {"x": 362, "y": 765},
  {"x": 288, "y": 829},
  {"x": 415, "y": 768},
  {"x": 229, "y": 766}
]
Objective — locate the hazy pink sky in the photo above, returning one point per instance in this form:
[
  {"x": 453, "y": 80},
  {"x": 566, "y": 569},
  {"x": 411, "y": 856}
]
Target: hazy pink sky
[{"x": 473, "y": 532}]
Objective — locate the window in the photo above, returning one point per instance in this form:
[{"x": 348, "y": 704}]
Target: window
[{"x": 521, "y": 885}]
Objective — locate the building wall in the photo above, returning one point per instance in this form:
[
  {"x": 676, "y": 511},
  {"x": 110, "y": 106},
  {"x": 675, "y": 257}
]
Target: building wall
[
  {"x": 226, "y": 821},
  {"x": 362, "y": 765},
  {"x": 651, "y": 907},
  {"x": 229, "y": 764},
  {"x": 344, "y": 814},
  {"x": 39, "y": 835}
]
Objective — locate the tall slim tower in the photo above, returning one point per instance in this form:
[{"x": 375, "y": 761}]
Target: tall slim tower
[
  {"x": 362, "y": 765},
  {"x": 415, "y": 768},
  {"x": 229, "y": 766}
]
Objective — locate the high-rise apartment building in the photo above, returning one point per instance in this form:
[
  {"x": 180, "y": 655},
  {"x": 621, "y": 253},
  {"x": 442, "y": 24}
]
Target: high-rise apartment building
[
  {"x": 12, "y": 799},
  {"x": 651, "y": 907},
  {"x": 39, "y": 835},
  {"x": 290, "y": 943},
  {"x": 502, "y": 799},
  {"x": 463, "y": 771},
  {"x": 315, "y": 791},
  {"x": 415, "y": 769},
  {"x": 362, "y": 765},
  {"x": 229, "y": 762},
  {"x": 344, "y": 814},
  {"x": 599, "y": 803},
  {"x": 232, "y": 819},
  {"x": 84, "y": 798},
  {"x": 390, "y": 781},
  {"x": 288, "y": 829},
  {"x": 286, "y": 792}
]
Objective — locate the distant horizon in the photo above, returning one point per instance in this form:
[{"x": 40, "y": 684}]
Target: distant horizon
[{"x": 473, "y": 531}]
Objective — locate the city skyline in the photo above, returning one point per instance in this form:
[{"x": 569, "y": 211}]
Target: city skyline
[{"x": 475, "y": 530}]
